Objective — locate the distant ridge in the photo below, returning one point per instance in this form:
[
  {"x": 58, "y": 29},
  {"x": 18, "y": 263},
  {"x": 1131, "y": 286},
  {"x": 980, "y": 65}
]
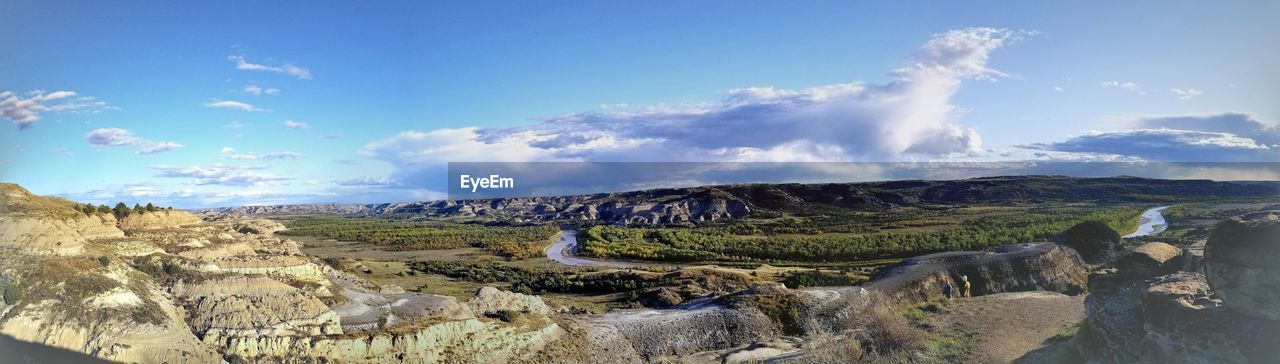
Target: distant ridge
[{"x": 718, "y": 202}]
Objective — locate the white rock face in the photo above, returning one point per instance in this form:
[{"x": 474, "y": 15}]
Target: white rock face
[
  {"x": 158, "y": 220},
  {"x": 490, "y": 300}
]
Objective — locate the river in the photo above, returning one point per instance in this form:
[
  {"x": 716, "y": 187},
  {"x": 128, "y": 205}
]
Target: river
[
  {"x": 1152, "y": 223},
  {"x": 563, "y": 251}
]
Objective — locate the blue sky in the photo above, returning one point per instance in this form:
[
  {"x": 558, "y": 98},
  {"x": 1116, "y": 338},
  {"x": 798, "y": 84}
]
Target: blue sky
[{"x": 187, "y": 104}]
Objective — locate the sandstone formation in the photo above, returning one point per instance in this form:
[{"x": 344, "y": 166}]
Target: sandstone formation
[
  {"x": 1150, "y": 260},
  {"x": 491, "y": 300},
  {"x": 1011, "y": 268},
  {"x": 158, "y": 220},
  {"x": 1142, "y": 309},
  {"x": 1242, "y": 262},
  {"x": 162, "y": 286}
]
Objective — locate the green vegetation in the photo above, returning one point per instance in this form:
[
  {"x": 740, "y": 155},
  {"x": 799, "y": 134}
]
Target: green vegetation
[
  {"x": 14, "y": 288},
  {"x": 426, "y": 235},
  {"x": 735, "y": 242},
  {"x": 539, "y": 281},
  {"x": 818, "y": 278},
  {"x": 121, "y": 210}
]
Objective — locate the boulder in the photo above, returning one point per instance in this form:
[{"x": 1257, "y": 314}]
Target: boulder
[
  {"x": 490, "y": 300},
  {"x": 1150, "y": 260},
  {"x": 1242, "y": 263},
  {"x": 1184, "y": 323},
  {"x": 1095, "y": 241}
]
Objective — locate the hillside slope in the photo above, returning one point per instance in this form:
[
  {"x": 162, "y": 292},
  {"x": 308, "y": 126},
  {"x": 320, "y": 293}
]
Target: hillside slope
[{"x": 711, "y": 203}]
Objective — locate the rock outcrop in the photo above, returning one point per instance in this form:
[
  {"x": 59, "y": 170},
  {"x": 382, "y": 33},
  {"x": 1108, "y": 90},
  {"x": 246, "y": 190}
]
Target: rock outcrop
[
  {"x": 1011, "y": 268},
  {"x": 158, "y": 220},
  {"x": 1142, "y": 309},
  {"x": 1095, "y": 241},
  {"x": 1150, "y": 260},
  {"x": 489, "y": 300},
  {"x": 1242, "y": 262}
]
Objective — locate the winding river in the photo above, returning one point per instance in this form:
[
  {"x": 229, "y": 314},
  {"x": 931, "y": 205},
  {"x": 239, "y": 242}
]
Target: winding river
[
  {"x": 567, "y": 243},
  {"x": 1152, "y": 223}
]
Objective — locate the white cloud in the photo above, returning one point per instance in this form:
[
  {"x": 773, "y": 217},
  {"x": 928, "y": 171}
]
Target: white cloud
[
  {"x": 1057, "y": 88},
  {"x": 1185, "y": 94},
  {"x": 116, "y": 137},
  {"x": 234, "y": 125},
  {"x": 288, "y": 69},
  {"x": 24, "y": 112},
  {"x": 229, "y": 153},
  {"x": 296, "y": 125},
  {"x": 258, "y": 90},
  {"x": 332, "y": 136},
  {"x": 236, "y": 105},
  {"x": 367, "y": 181},
  {"x": 1127, "y": 86},
  {"x": 62, "y": 151},
  {"x": 218, "y": 174},
  {"x": 911, "y": 115}
]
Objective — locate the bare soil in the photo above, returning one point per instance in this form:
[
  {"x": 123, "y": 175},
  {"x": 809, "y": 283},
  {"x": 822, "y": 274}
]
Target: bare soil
[{"x": 1022, "y": 327}]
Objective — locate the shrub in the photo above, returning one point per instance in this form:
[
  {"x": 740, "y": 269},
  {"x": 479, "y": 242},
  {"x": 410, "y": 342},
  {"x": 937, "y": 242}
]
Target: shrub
[
  {"x": 14, "y": 291},
  {"x": 104, "y": 260}
]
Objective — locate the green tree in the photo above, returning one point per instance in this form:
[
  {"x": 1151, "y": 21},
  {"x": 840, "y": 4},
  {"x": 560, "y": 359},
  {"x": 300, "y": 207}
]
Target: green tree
[
  {"x": 138, "y": 208},
  {"x": 103, "y": 209},
  {"x": 121, "y": 210},
  {"x": 150, "y": 207}
]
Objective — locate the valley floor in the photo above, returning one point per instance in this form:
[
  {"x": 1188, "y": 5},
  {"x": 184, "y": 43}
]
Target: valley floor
[{"x": 1022, "y": 327}]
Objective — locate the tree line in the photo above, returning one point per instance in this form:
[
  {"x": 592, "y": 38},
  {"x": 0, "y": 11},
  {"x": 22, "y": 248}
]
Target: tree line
[
  {"x": 120, "y": 210},
  {"x": 517, "y": 241},
  {"x": 717, "y": 244}
]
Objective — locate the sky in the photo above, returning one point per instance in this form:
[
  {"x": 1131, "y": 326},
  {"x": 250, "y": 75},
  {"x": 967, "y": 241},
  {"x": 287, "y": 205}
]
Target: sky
[{"x": 205, "y": 104}]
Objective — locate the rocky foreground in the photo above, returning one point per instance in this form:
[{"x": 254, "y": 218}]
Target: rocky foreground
[{"x": 165, "y": 286}]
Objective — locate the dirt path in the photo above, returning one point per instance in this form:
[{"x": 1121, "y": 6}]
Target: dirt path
[{"x": 1014, "y": 327}]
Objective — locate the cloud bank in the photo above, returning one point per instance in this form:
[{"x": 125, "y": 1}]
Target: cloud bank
[
  {"x": 1227, "y": 137},
  {"x": 116, "y": 137},
  {"x": 910, "y": 115}
]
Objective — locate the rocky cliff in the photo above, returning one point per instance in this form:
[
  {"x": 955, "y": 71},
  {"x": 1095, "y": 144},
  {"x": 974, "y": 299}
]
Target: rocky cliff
[
  {"x": 168, "y": 288},
  {"x": 1146, "y": 307},
  {"x": 1011, "y": 268}
]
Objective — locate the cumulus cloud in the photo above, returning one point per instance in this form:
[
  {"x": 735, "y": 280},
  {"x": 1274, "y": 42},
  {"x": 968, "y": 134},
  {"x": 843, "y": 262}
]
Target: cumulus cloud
[
  {"x": 1124, "y": 85},
  {"x": 296, "y": 125},
  {"x": 218, "y": 174},
  {"x": 286, "y": 68},
  {"x": 116, "y": 137},
  {"x": 1185, "y": 93},
  {"x": 910, "y": 115},
  {"x": 234, "y": 105},
  {"x": 24, "y": 110},
  {"x": 258, "y": 90}
]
